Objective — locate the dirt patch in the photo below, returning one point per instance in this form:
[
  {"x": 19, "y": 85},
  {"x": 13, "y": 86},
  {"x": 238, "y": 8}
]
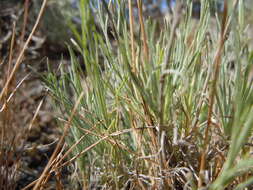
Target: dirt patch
[{"x": 26, "y": 142}]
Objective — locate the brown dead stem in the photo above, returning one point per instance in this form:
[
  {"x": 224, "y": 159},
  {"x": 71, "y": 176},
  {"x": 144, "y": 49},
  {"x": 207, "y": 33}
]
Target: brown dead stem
[
  {"x": 44, "y": 176},
  {"x": 143, "y": 33},
  {"x": 21, "y": 54},
  {"x": 217, "y": 63}
]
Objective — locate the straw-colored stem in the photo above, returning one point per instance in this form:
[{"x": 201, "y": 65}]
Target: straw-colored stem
[
  {"x": 143, "y": 33},
  {"x": 20, "y": 57},
  {"x": 45, "y": 173},
  {"x": 132, "y": 35},
  {"x": 217, "y": 63}
]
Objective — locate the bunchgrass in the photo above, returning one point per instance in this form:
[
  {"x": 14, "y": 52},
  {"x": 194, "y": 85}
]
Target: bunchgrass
[{"x": 164, "y": 105}]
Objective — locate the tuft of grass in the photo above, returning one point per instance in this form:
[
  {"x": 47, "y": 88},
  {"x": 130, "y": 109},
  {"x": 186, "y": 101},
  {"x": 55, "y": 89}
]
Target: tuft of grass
[{"x": 160, "y": 109}]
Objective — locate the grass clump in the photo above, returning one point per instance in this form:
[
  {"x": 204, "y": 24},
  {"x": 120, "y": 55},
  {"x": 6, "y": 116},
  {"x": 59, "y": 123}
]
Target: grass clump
[{"x": 168, "y": 107}]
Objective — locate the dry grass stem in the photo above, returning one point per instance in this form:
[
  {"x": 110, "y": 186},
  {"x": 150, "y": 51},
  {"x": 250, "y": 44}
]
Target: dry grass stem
[
  {"x": 58, "y": 147},
  {"x": 19, "y": 59}
]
